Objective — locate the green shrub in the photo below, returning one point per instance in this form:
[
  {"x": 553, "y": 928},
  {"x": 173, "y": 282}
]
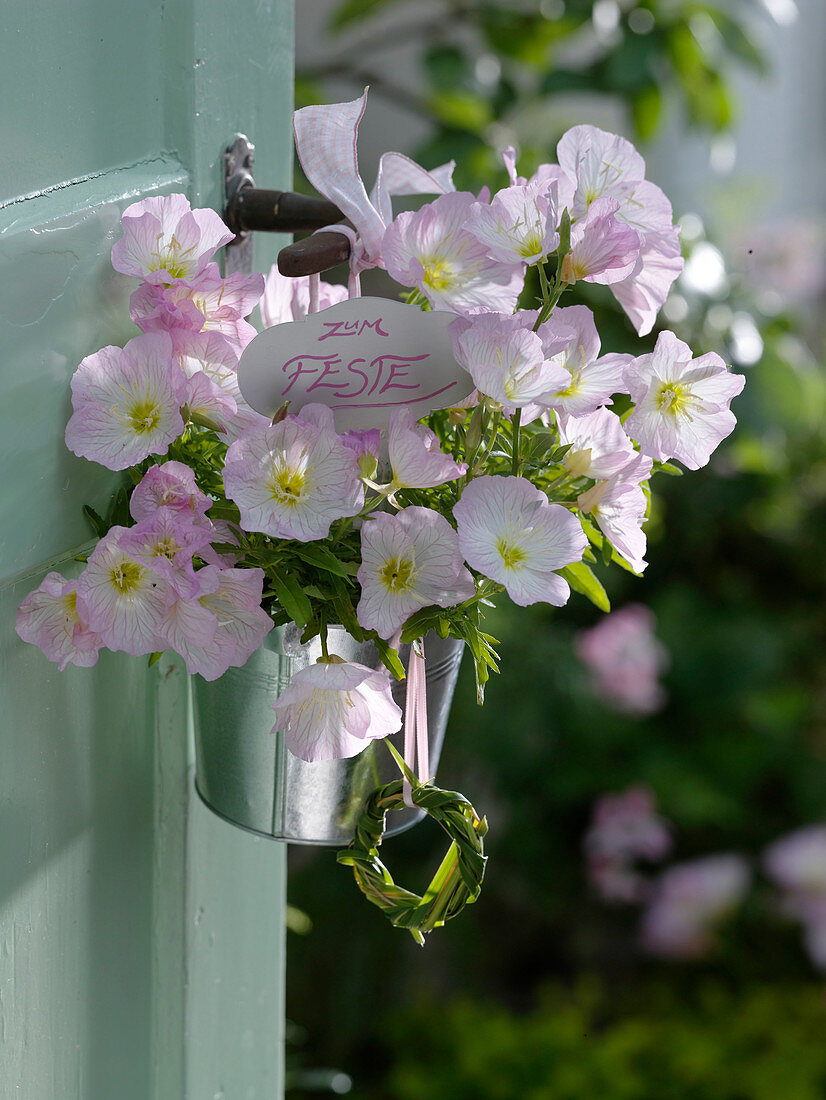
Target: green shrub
[{"x": 763, "y": 1044}]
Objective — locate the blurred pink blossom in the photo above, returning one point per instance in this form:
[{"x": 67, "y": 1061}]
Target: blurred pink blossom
[
  {"x": 688, "y": 903},
  {"x": 797, "y": 865},
  {"x": 625, "y": 660},
  {"x": 625, "y": 827}
]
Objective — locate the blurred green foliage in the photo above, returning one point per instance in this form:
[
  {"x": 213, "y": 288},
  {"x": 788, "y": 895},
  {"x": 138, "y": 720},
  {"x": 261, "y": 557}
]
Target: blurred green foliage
[
  {"x": 715, "y": 1045},
  {"x": 485, "y": 67}
]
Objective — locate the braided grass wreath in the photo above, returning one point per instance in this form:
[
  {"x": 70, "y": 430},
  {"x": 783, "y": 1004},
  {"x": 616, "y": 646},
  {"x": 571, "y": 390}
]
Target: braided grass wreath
[{"x": 459, "y": 878}]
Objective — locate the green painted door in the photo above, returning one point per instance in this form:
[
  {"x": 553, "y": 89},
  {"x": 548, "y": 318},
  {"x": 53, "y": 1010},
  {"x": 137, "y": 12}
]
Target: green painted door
[{"x": 141, "y": 939}]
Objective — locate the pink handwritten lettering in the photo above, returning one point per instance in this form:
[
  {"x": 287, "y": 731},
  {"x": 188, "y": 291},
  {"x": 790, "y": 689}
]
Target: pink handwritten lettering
[
  {"x": 351, "y": 328},
  {"x": 298, "y": 361}
]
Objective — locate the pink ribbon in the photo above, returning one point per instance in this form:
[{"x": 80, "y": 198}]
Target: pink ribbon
[
  {"x": 415, "y": 721},
  {"x": 325, "y": 140}
]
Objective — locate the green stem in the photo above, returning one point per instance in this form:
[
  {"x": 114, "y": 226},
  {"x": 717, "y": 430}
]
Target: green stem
[
  {"x": 323, "y": 636},
  {"x": 515, "y": 421},
  {"x": 554, "y": 293}
]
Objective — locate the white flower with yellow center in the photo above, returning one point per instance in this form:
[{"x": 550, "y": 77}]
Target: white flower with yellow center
[
  {"x": 520, "y": 223},
  {"x": 433, "y": 250},
  {"x": 127, "y": 402},
  {"x": 121, "y": 598},
  {"x": 511, "y": 533},
  {"x": 682, "y": 404},
  {"x": 409, "y": 561},
  {"x": 333, "y": 709},
  {"x": 293, "y": 479}
]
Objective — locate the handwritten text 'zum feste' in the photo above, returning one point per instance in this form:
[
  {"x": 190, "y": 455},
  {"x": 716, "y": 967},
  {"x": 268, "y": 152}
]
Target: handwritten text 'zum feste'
[{"x": 377, "y": 380}]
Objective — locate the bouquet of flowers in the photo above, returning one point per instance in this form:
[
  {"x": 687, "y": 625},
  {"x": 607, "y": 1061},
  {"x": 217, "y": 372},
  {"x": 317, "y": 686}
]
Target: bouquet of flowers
[{"x": 232, "y": 521}]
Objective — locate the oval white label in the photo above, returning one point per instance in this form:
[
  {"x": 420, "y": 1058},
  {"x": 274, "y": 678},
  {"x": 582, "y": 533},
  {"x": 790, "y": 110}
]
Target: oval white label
[{"x": 362, "y": 358}]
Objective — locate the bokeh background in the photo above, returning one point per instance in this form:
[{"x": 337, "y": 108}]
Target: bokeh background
[{"x": 653, "y": 921}]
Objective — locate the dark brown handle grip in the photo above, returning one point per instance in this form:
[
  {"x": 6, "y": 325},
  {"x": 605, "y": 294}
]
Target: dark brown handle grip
[
  {"x": 314, "y": 254},
  {"x": 254, "y": 209}
]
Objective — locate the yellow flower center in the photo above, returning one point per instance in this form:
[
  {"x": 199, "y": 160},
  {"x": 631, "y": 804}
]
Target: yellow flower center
[
  {"x": 397, "y": 574},
  {"x": 171, "y": 259},
  {"x": 126, "y": 576},
  {"x": 437, "y": 274},
  {"x": 144, "y": 416},
  {"x": 288, "y": 485},
  {"x": 70, "y": 606},
  {"x": 530, "y": 245},
  {"x": 673, "y": 398},
  {"x": 166, "y": 548},
  {"x": 512, "y": 555}
]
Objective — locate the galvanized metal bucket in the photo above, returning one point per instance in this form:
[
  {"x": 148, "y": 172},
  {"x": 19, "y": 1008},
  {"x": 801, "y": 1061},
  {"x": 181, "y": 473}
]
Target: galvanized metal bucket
[{"x": 245, "y": 774}]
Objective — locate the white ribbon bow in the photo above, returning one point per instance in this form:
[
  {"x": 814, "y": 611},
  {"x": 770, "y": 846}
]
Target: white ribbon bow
[{"x": 325, "y": 140}]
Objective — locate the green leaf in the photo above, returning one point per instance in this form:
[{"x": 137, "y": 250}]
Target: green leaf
[
  {"x": 462, "y": 109},
  {"x": 446, "y": 66},
  {"x": 320, "y": 557},
  {"x": 390, "y": 658},
  {"x": 97, "y": 521},
  {"x": 154, "y": 658},
  {"x": 646, "y": 110},
  {"x": 582, "y": 580},
  {"x": 419, "y": 624},
  {"x": 668, "y": 468},
  {"x": 292, "y": 597},
  {"x": 355, "y": 11}
]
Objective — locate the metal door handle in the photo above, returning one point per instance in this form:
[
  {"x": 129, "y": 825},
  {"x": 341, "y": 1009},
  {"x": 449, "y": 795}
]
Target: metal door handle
[{"x": 252, "y": 209}]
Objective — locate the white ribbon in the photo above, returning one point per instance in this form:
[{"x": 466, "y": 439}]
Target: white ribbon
[
  {"x": 325, "y": 140},
  {"x": 415, "y": 721}
]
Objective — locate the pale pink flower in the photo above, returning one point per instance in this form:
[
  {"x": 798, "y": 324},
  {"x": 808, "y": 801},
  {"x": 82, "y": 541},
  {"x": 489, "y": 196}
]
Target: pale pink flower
[
  {"x": 288, "y": 299},
  {"x": 326, "y": 138},
  {"x": 208, "y": 303},
  {"x": 600, "y": 164},
  {"x": 507, "y": 360},
  {"x": 332, "y": 710},
  {"x": 682, "y": 404},
  {"x": 642, "y": 293},
  {"x": 208, "y": 404},
  {"x": 589, "y": 381},
  {"x": 409, "y": 561},
  {"x": 126, "y": 402},
  {"x": 598, "y": 444},
  {"x": 432, "y": 250},
  {"x": 48, "y": 618},
  {"x": 625, "y": 660},
  {"x": 519, "y": 225},
  {"x": 415, "y": 456},
  {"x": 121, "y": 598},
  {"x": 224, "y": 626},
  {"x": 166, "y": 541},
  {"x": 164, "y": 239},
  {"x": 366, "y": 446},
  {"x": 625, "y": 827},
  {"x": 211, "y": 354},
  {"x": 509, "y": 532},
  {"x": 603, "y": 165},
  {"x": 689, "y": 902},
  {"x": 603, "y": 249},
  {"x": 294, "y": 478},
  {"x": 619, "y": 506},
  {"x": 171, "y": 485}
]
